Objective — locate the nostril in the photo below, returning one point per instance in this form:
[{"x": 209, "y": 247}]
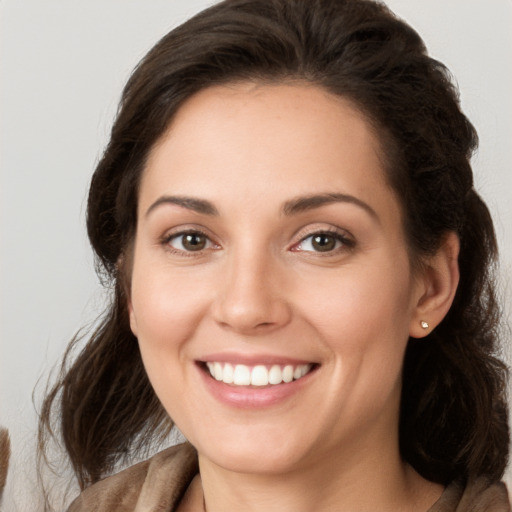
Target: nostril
[{"x": 264, "y": 324}]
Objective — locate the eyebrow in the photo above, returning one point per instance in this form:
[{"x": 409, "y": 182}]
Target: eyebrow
[
  {"x": 291, "y": 207},
  {"x": 190, "y": 203},
  {"x": 305, "y": 203}
]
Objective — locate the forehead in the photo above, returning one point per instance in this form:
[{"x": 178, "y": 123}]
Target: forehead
[{"x": 261, "y": 138}]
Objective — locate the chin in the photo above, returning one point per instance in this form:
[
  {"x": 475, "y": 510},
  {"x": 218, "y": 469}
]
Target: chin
[
  {"x": 248, "y": 462},
  {"x": 254, "y": 454}
]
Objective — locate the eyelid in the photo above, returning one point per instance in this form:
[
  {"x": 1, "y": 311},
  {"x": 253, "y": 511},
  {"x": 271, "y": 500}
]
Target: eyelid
[{"x": 184, "y": 229}]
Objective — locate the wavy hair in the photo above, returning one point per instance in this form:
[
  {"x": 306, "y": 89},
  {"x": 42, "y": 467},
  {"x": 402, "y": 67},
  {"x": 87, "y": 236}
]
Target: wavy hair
[{"x": 453, "y": 419}]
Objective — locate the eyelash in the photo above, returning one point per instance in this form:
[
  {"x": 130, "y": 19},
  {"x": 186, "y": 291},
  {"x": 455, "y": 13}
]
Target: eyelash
[{"x": 346, "y": 242}]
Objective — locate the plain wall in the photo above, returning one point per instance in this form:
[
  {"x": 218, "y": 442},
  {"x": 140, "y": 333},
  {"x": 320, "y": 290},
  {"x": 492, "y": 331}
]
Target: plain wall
[{"x": 62, "y": 66}]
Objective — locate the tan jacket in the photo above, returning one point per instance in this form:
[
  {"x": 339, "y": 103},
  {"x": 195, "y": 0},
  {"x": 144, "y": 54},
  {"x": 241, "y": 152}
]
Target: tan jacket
[{"x": 158, "y": 484}]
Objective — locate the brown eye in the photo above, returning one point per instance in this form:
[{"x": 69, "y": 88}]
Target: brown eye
[
  {"x": 194, "y": 242},
  {"x": 323, "y": 242},
  {"x": 189, "y": 242}
]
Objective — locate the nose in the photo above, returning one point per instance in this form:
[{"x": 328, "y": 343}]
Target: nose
[{"x": 252, "y": 298}]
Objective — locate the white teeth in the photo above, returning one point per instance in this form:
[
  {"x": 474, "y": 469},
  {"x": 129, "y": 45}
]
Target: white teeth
[
  {"x": 259, "y": 375},
  {"x": 288, "y": 373},
  {"x": 217, "y": 371},
  {"x": 228, "y": 374},
  {"x": 242, "y": 375},
  {"x": 275, "y": 375}
]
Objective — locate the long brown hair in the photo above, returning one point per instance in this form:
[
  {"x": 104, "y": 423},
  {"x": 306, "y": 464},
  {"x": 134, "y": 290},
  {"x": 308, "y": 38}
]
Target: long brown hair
[{"x": 453, "y": 421}]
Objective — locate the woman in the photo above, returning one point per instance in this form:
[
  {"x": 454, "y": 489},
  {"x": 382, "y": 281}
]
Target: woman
[{"x": 301, "y": 272}]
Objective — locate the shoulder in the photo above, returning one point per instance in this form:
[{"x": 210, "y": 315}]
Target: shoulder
[
  {"x": 478, "y": 495},
  {"x": 161, "y": 481}
]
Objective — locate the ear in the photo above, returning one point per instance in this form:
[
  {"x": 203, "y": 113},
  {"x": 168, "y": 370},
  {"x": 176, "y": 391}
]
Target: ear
[{"x": 437, "y": 284}]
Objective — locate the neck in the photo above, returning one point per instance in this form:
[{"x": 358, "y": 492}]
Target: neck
[{"x": 355, "y": 482}]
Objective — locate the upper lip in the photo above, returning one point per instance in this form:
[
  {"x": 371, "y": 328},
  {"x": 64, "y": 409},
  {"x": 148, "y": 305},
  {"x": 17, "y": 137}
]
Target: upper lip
[{"x": 252, "y": 359}]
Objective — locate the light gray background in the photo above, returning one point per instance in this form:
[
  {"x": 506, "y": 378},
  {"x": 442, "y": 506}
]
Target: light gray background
[{"x": 62, "y": 66}]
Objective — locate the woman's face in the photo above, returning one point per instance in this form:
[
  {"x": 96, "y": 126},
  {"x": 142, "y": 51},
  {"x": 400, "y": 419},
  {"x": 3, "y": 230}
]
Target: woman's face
[{"x": 270, "y": 252}]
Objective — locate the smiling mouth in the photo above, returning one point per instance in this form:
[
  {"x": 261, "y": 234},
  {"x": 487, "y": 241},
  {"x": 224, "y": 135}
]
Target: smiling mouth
[{"x": 258, "y": 375}]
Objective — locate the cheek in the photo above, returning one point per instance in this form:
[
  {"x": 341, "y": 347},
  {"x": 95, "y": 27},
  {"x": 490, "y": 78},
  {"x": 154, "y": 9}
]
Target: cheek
[
  {"x": 166, "y": 311},
  {"x": 165, "y": 303},
  {"x": 363, "y": 316},
  {"x": 369, "y": 297}
]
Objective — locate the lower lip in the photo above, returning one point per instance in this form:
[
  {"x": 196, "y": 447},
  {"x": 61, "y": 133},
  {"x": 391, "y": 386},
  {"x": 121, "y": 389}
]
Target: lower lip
[{"x": 246, "y": 397}]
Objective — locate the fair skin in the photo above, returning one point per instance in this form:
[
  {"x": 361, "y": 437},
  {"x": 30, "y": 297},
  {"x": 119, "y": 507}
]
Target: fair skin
[{"x": 268, "y": 237}]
